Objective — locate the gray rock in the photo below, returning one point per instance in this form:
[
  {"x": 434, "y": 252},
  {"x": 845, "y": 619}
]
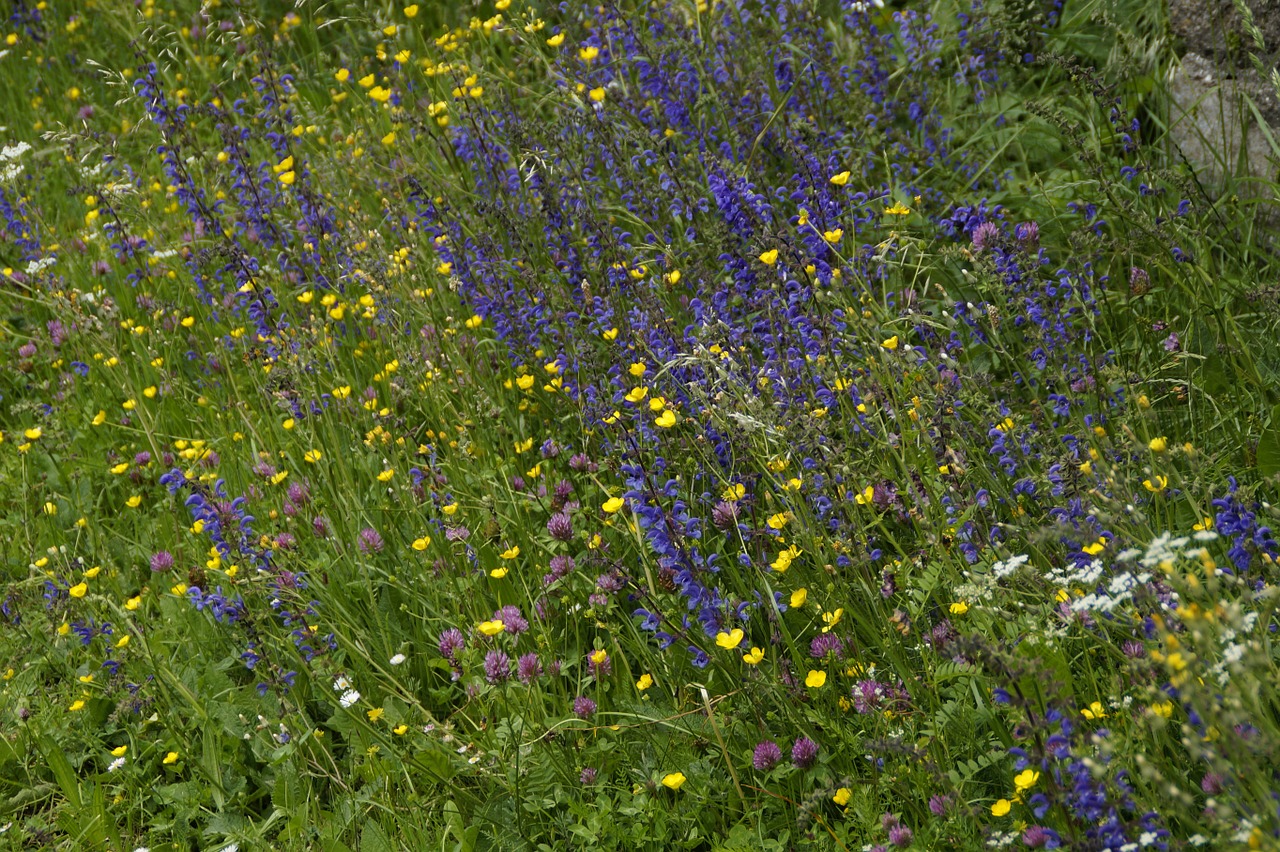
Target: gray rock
[
  {"x": 1213, "y": 126},
  {"x": 1213, "y": 29}
]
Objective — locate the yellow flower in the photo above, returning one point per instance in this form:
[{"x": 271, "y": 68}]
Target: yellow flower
[
  {"x": 511, "y": 552},
  {"x": 842, "y": 796},
  {"x": 411, "y": 11},
  {"x": 385, "y": 476},
  {"x": 499, "y": 573},
  {"x": 288, "y": 423},
  {"x": 51, "y": 508},
  {"x": 831, "y": 619},
  {"x": 666, "y": 419},
  {"x": 734, "y": 492},
  {"x": 79, "y": 590},
  {"x": 399, "y": 730},
  {"x": 769, "y": 258},
  {"x": 120, "y": 468},
  {"x": 312, "y": 456},
  {"x": 1026, "y": 779},
  {"x": 753, "y": 657},
  {"x": 1158, "y": 445},
  {"x": 613, "y": 505},
  {"x": 834, "y": 235},
  {"x": 133, "y": 603},
  {"x": 1160, "y": 484},
  {"x": 33, "y": 433},
  {"x": 1001, "y": 807},
  {"x": 421, "y": 543},
  {"x": 374, "y": 714},
  {"x": 898, "y": 209},
  {"x": 638, "y": 369},
  {"x": 959, "y": 608},
  {"x": 389, "y": 139},
  {"x": 119, "y": 751},
  {"x": 636, "y": 394},
  {"x": 490, "y": 628},
  {"x": 815, "y": 678},
  {"x": 1163, "y": 709},
  {"x": 798, "y": 597},
  {"x": 597, "y": 94},
  {"x": 674, "y": 781},
  {"x": 76, "y": 705},
  {"x": 778, "y": 521},
  {"x": 342, "y": 75},
  {"x": 645, "y": 681},
  {"x": 865, "y": 496},
  {"x": 730, "y": 640},
  {"x": 840, "y": 179},
  {"x": 134, "y": 502},
  {"x": 287, "y": 178},
  {"x": 784, "y": 559},
  {"x": 171, "y": 757},
  {"x": 891, "y": 343},
  {"x": 556, "y": 40},
  {"x": 1094, "y": 711},
  {"x": 589, "y": 53},
  {"x": 100, "y": 418}
]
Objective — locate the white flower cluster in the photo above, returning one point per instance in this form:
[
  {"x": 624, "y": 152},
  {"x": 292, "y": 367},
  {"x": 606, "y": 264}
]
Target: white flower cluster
[
  {"x": 9, "y": 167},
  {"x": 1118, "y": 589}
]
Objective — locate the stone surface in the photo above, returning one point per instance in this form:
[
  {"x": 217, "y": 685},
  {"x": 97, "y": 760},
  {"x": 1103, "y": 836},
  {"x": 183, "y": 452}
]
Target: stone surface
[
  {"x": 1214, "y": 127},
  {"x": 1215, "y": 91},
  {"x": 1213, "y": 29}
]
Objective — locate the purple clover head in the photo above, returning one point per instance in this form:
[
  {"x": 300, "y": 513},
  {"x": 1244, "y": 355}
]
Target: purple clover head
[
  {"x": 497, "y": 667},
  {"x": 528, "y": 668},
  {"x": 451, "y": 642},
  {"x": 804, "y": 753},
  {"x": 369, "y": 541},
  {"x": 560, "y": 525},
  {"x": 985, "y": 236},
  {"x": 161, "y": 561},
  {"x": 766, "y": 756},
  {"x": 583, "y": 707}
]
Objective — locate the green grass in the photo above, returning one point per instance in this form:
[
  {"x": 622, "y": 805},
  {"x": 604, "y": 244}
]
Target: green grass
[{"x": 868, "y": 473}]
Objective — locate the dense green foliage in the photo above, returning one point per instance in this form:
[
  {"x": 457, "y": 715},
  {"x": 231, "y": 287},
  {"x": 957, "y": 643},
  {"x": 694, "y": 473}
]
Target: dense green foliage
[{"x": 683, "y": 425}]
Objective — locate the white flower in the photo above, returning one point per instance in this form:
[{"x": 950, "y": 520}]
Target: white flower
[
  {"x": 397, "y": 659},
  {"x": 349, "y": 697},
  {"x": 340, "y": 683},
  {"x": 116, "y": 764}
]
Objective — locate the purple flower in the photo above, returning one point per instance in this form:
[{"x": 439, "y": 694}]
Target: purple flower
[
  {"x": 451, "y": 642},
  {"x": 512, "y": 621},
  {"x": 369, "y": 541},
  {"x": 900, "y": 835},
  {"x": 560, "y": 566},
  {"x": 528, "y": 668},
  {"x": 725, "y": 515},
  {"x": 1035, "y": 836},
  {"x": 804, "y": 753},
  {"x": 766, "y": 756},
  {"x": 320, "y": 527},
  {"x": 825, "y": 644},
  {"x": 497, "y": 667},
  {"x": 560, "y": 525},
  {"x": 985, "y": 236},
  {"x": 938, "y": 804},
  {"x": 583, "y": 707},
  {"x": 161, "y": 561},
  {"x": 588, "y": 776}
]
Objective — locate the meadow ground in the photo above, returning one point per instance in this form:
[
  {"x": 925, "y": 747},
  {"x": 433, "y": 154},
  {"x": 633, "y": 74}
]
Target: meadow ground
[{"x": 675, "y": 425}]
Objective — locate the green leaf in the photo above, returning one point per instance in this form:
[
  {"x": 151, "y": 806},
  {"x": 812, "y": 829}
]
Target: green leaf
[{"x": 1269, "y": 446}]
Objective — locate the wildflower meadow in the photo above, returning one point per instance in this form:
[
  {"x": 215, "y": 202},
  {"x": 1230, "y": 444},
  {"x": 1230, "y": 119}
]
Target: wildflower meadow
[{"x": 687, "y": 424}]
